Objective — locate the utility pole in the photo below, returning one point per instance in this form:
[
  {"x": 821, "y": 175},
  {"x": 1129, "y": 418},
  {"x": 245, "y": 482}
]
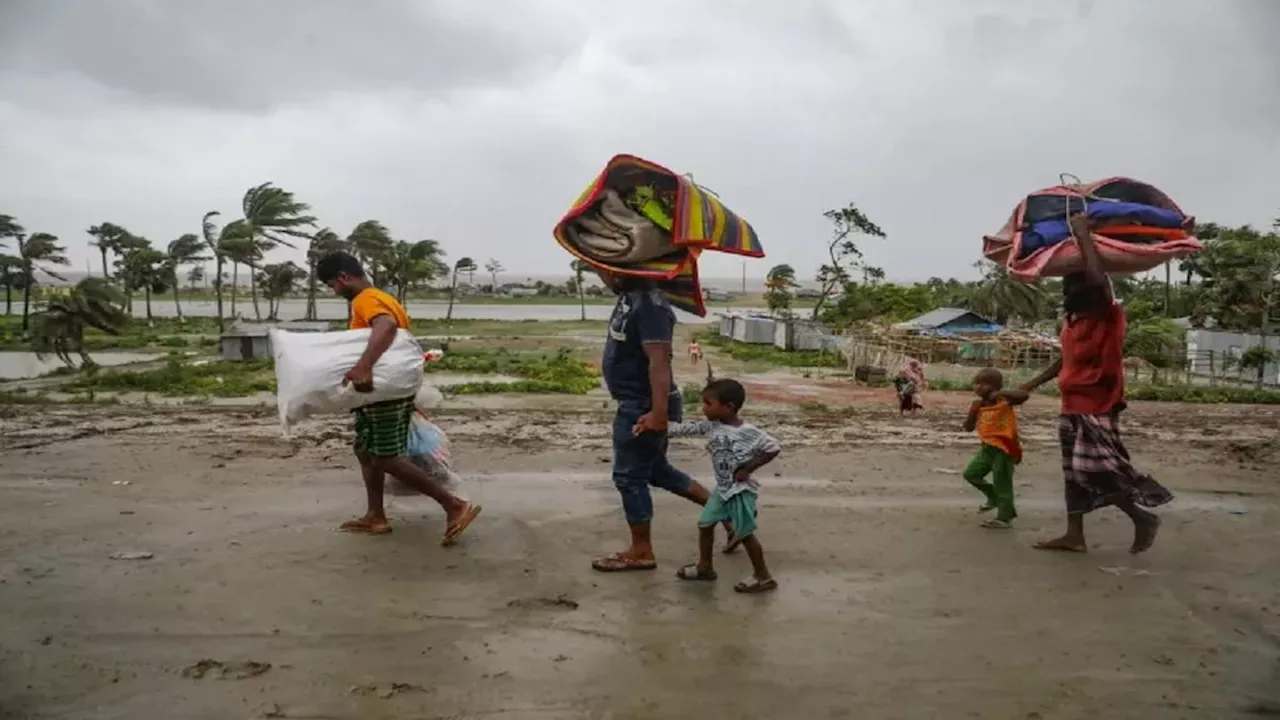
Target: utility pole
[{"x": 744, "y": 277}]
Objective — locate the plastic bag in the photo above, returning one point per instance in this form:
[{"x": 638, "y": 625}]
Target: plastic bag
[
  {"x": 429, "y": 449},
  {"x": 310, "y": 368}
]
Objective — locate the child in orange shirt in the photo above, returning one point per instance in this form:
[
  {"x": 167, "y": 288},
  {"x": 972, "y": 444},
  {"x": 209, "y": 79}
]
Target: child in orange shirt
[{"x": 993, "y": 416}]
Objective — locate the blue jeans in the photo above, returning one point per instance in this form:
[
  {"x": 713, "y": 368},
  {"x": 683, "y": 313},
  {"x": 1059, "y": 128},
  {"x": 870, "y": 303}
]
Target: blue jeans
[{"x": 641, "y": 460}]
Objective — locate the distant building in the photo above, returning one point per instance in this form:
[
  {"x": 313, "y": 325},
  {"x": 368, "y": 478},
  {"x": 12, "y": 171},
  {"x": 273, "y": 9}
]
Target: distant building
[
  {"x": 949, "y": 321},
  {"x": 249, "y": 341}
]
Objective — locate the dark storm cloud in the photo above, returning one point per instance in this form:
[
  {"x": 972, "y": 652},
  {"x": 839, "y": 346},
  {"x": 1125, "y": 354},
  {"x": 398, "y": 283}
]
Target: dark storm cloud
[
  {"x": 253, "y": 54},
  {"x": 476, "y": 122}
]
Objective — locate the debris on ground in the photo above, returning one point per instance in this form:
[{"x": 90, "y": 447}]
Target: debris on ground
[
  {"x": 241, "y": 670},
  {"x": 386, "y": 692},
  {"x": 560, "y": 602},
  {"x": 132, "y": 555}
]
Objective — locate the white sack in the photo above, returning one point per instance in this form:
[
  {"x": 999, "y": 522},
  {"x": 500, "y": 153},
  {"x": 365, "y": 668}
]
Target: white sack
[{"x": 310, "y": 367}]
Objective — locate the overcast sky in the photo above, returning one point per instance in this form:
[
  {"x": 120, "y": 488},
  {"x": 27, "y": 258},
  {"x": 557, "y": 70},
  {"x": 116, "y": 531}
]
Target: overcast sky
[{"x": 476, "y": 122}]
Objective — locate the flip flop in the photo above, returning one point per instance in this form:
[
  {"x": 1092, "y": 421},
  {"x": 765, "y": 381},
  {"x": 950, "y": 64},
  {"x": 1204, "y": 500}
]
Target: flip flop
[
  {"x": 459, "y": 526},
  {"x": 617, "y": 562},
  {"x": 364, "y": 527},
  {"x": 732, "y": 544},
  {"x": 693, "y": 572},
  {"x": 997, "y": 524},
  {"x": 752, "y": 586}
]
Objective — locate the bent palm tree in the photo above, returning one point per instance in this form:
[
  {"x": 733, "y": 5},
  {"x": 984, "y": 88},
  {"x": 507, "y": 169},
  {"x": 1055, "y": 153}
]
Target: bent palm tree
[
  {"x": 272, "y": 216},
  {"x": 109, "y": 238},
  {"x": 37, "y": 253},
  {"x": 371, "y": 242},
  {"x": 10, "y": 275},
  {"x": 463, "y": 265},
  {"x": 183, "y": 251},
  {"x": 322, "y": 243},
  {"x": 211, "y": 242},
  {"x": 59, "y": 328}
]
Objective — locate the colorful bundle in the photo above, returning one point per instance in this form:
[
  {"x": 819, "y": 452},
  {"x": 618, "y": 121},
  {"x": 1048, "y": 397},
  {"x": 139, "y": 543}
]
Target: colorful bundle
[
  {"x": 1136, "y": 228},
  {"x": 639, "y": 219}
]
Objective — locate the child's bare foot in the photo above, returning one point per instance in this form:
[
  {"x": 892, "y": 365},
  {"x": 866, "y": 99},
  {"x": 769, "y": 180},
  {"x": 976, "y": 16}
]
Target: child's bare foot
[
  {"x": 368, "y": 525},
  {"x": 1144, "y": 534},
  {"x": 1066, "y": 543}
]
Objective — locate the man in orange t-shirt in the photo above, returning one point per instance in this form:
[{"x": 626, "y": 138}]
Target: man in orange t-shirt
[
  {"x": 382, "y": 428},
  {"x": 1090, "y": 373}
]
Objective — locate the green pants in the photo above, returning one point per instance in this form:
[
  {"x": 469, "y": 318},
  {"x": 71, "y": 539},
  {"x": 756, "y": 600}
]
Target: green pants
[{"x": 994, "y": 462}]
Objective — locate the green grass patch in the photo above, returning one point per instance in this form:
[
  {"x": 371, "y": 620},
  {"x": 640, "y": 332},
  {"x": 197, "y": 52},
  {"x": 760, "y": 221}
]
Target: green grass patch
[
  {"x": 179, "y": 378},
  {"x": 539, "y": 372},
  {"x": 770, "y": 355}
]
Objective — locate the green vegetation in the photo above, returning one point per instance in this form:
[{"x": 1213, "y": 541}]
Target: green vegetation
[
  {"x": 770, "y": 355},
  {"x": 558, "y": 372},
  {"x": 134, "y": 334},
  {"x": 178, "y": 378}
]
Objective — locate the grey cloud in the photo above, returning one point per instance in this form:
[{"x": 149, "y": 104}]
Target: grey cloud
[
  {"x": 934, "y": 116},
  {"x": 254, "y": 54}
]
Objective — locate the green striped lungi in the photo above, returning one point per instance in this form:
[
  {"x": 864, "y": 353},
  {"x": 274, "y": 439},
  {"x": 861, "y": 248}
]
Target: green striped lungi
[{"x": 382, "y": 429}]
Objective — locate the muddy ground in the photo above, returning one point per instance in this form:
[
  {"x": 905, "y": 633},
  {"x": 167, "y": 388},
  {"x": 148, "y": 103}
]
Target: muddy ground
[{"x": 893, "y": 603}]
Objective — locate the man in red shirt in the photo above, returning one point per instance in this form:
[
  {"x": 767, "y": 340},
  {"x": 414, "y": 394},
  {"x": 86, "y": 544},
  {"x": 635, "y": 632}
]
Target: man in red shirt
[{"x": 1090, "y": 375}]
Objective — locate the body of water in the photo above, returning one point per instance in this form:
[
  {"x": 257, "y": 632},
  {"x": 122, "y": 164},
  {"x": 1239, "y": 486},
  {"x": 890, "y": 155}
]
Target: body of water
[
  {"x": 334, "y": 309},
  {"x": 22, "y": 365}
]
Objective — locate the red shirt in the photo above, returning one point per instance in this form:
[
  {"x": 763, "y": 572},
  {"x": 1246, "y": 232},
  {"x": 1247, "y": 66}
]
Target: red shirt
[{"x": 1092, "y": 375}]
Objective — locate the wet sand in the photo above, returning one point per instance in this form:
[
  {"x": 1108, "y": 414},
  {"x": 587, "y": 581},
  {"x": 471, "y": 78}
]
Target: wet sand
[{"x": 893, "y": 603}]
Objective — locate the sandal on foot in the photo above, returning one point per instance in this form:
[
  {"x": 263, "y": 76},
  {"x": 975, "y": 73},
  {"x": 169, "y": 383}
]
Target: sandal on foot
[
  {"x": 732, "y": 544},
  {"x": 693, "y": 572},
  {"x": 365, "y": 526},
  {"x": 986, "y": 508},
  {"x": 617, "y": 562},
  {"x": 751, "y": 586},
  {"x": 997, "y": 524},
  {"x": 459, "y": 526}
]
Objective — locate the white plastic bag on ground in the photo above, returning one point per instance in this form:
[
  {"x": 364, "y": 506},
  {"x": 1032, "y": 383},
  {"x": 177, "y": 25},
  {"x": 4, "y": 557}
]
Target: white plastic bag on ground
[{"x": 310, "y": 367}]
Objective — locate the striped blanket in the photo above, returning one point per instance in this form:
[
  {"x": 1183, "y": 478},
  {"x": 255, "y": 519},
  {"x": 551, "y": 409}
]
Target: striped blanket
[{"x": 700, "y": 221}]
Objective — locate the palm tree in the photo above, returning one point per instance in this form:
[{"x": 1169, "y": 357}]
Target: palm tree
[
  {"x": 463, "y": 265},
  {"x": 142, "y": 266},
  {"x": 183, "y": 251},
  {"x": 36, "y": 253},
  {"x": 212, "y": 243},
  {"x": 371, "y": 242},
  {"x": 239, "y": 249},
  {"x": 278, "y": 280},
  {"x": 109, "y": 238},
  {"x": 493, "y": 267},
  {"x": 1000, "y": 297},
  {"x": 10, "y": 275},
  {"x": 778, "y": 283},
  {"x": 59, "y": 328},
  {"x": 272, "y": 216},
  {"x": 322, "y": 243},
  {"x": 580, "y": 270},
  {"x": 10, "y": 265},
  {"x": 408, "y": 264},
  {"x": 195, "y": 277}
]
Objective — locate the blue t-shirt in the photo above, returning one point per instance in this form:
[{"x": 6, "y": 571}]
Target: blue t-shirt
[{"x": 640, "y": 317}]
